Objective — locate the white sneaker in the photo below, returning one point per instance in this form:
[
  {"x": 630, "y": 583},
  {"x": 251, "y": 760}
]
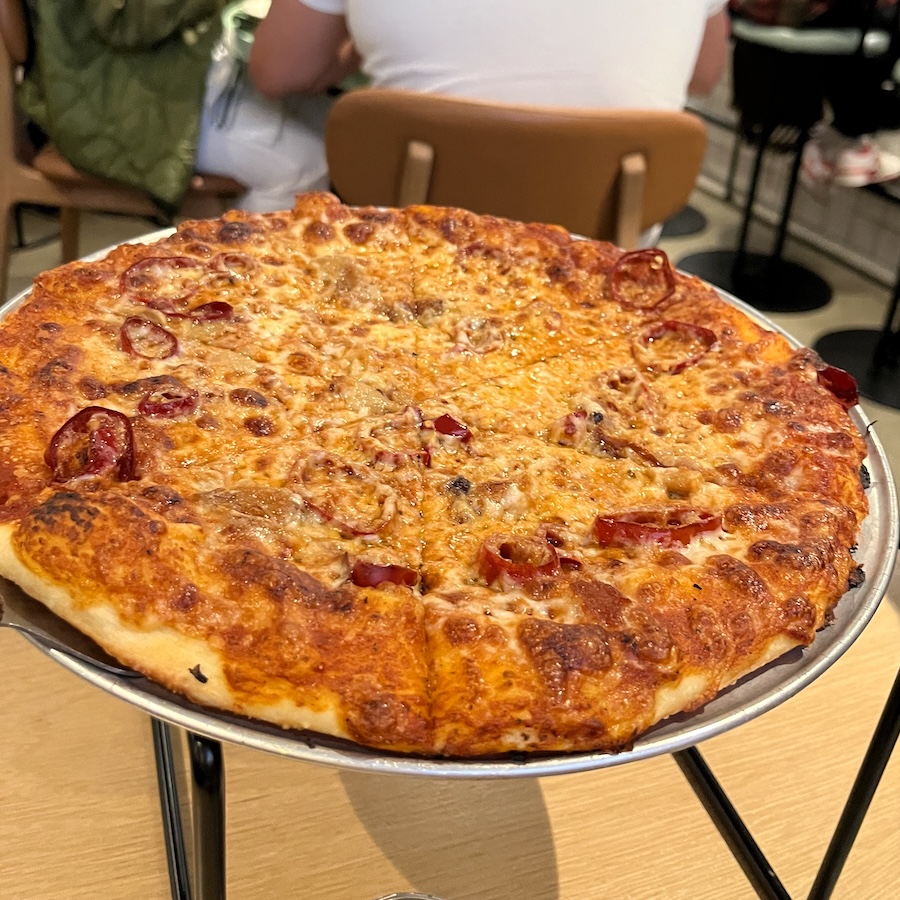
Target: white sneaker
[{"x": 832, "y": 158}]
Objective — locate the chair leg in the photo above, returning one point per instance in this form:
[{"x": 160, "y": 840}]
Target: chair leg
[{"x": 69, "y": 220}]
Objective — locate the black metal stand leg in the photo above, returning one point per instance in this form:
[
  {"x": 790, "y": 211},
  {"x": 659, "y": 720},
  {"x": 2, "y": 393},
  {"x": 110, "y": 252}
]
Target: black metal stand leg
[
  {"x": 867, "y": 780},
  {"x": 781, "y": 235},
  {"x": 731, "y": 827},
  {"x": 732, "y": 167},
  {"x": 179, "y": 877},
  {"x": 748, "y": 206},
  {"x": 208, "y": 794},
  {"x": 765, "y": 281}
]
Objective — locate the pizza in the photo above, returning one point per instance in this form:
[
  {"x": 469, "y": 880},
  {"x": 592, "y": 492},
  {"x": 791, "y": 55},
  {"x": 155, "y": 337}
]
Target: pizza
[{"x": 433, "y": 482}]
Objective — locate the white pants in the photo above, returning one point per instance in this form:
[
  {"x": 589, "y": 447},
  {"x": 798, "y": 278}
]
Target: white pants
[{"x": 274, "y": 147}]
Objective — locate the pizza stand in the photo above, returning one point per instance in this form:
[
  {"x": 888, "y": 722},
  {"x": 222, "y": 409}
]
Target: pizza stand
[{"x": 205, "y": 730}]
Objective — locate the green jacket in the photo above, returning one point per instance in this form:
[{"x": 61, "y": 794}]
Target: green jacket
[{"x": 118, "y": 85}]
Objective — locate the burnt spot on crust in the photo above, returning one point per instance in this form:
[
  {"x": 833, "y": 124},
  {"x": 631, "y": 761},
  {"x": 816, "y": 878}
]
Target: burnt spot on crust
[
  {"x": 61, "y": 507},
  {"x": 92, "y": 388},
  {"x": 261, "y": 426},
  {"x": 385, "y": 719},
  {"x": 560, "y": 652},
  {"x": 54, "y": 373},
  {"x": 195, "y": 671},
  {"x": 864, "y": 477},
  {"x": 799, "y": 619},
  {"x": 235, "y": 232},
  {"x": 283, "y": 582},
  {"x": 855, "y": 577},
  {"x": 652, "y": 643},
  {"x": 605, "y": 604},
  {"x": 358, "y": 232},
  {"x": 461, "y": 630},
  {"x": 319, "y": 232},
  {"x": 806, "y": 557},
  {"x": 739, "y": 576},
  {"x": 145, "y": 385},
  {"x": 187, "y": 599},
  {"x": 727, "y": 420},
  {"x": 459, "y": 485},
  {"x": 247, "y": 397},
  {"x": 168, "y": 503}
]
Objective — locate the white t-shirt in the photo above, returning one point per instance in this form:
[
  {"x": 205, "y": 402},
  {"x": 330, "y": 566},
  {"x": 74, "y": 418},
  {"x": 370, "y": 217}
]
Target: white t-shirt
[{"x": 576, "y": 53}]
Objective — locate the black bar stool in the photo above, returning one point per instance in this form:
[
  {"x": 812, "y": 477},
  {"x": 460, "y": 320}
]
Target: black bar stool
[{"x": 778, "y": 94}]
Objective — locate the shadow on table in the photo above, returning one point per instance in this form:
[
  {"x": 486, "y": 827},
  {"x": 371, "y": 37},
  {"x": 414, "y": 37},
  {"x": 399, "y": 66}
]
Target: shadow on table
[{"x": 461, "y": 838}]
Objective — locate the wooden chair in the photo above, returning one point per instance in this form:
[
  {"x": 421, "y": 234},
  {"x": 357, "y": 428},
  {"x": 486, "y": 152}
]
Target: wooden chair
[
  {"x": 606, "y": 174},
  {"x": 46, "y": 178}
]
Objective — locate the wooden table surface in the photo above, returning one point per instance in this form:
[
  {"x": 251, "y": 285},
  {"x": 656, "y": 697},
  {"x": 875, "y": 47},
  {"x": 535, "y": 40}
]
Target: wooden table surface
[{"x": 79, "y": 812}]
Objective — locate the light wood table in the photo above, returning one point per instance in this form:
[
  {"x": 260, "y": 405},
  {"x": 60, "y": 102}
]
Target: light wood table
[{"x": 81, "y": 818}]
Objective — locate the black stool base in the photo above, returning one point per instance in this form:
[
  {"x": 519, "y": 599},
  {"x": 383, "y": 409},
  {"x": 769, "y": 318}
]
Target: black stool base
[
  {"x": 768, "y": 284},
  {"x": 855, "y": 350},
  {"x": 686, "y": 221}
]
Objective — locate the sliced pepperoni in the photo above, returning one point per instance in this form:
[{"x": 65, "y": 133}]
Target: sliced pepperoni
[
  {"x": 662, "y": 527},
  {"x": 520, "y": 559},
  {"x": 169, "y": 401},
  {"x": 237, "y": 264},
  {"x": 642, "y": 279},
  {"x": 94, "y": 443},
  {"x": 163, "y": 282},
  {"x": 840, "y": 383},
  {"x": 449, "y": 427},
  {"x": 369, "y": 574},
  {"x": 677, "y": 345},
  {"x": 143, "y": 338}
]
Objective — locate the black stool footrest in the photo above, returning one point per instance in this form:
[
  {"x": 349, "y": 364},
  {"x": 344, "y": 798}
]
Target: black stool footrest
[
  {"x": 687, "y": 221},
  {"x": 860, "y": 351},
  {"x": 769, "y": 284}
]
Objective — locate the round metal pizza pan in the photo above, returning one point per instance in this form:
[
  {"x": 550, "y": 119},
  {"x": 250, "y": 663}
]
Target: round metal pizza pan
[{"x": 742, "y": 702}]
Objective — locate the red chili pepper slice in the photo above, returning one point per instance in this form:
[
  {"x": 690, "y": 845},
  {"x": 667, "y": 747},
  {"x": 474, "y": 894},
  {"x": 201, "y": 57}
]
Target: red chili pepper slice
[
  {"x": 161, "y": 281},
  {"x": 664, "y": 527},
  {"x": 141, "y": 337},
  {"x": 234, "y": 263},
  {"x": 211, "y": 312},
  {"x": 518, "y": 558},
  {"x": 683, "y": 339},
  {"x": 642, "y": 279},
  {"x": 842, "y": 384},
  {"x": 446, "y": 424},
  {"x": 94, "y": 442},
  {"x": 367, "y": 574},
  {"x": 169, "y": 401}
]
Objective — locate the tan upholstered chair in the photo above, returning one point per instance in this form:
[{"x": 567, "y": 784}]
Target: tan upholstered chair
[
  {"x": 604, "y": 174},
  {"x": 46, "y": 178}
]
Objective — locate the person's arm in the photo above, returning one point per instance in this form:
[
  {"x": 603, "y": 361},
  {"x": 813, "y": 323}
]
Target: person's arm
[
  {"x": 299, "y": 50},
  {"x": 712, "y": 56}
]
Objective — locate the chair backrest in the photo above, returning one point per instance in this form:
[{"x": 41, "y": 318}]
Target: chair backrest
[{"x": 604, "y": 174}]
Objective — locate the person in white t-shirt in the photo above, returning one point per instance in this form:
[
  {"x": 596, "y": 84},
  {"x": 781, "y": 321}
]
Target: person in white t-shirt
[{"x": 576, "y": 53}]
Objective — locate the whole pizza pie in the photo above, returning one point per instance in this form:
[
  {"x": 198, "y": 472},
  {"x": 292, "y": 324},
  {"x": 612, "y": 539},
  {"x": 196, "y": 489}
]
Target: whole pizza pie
[{"x": 434, "y": 482}]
